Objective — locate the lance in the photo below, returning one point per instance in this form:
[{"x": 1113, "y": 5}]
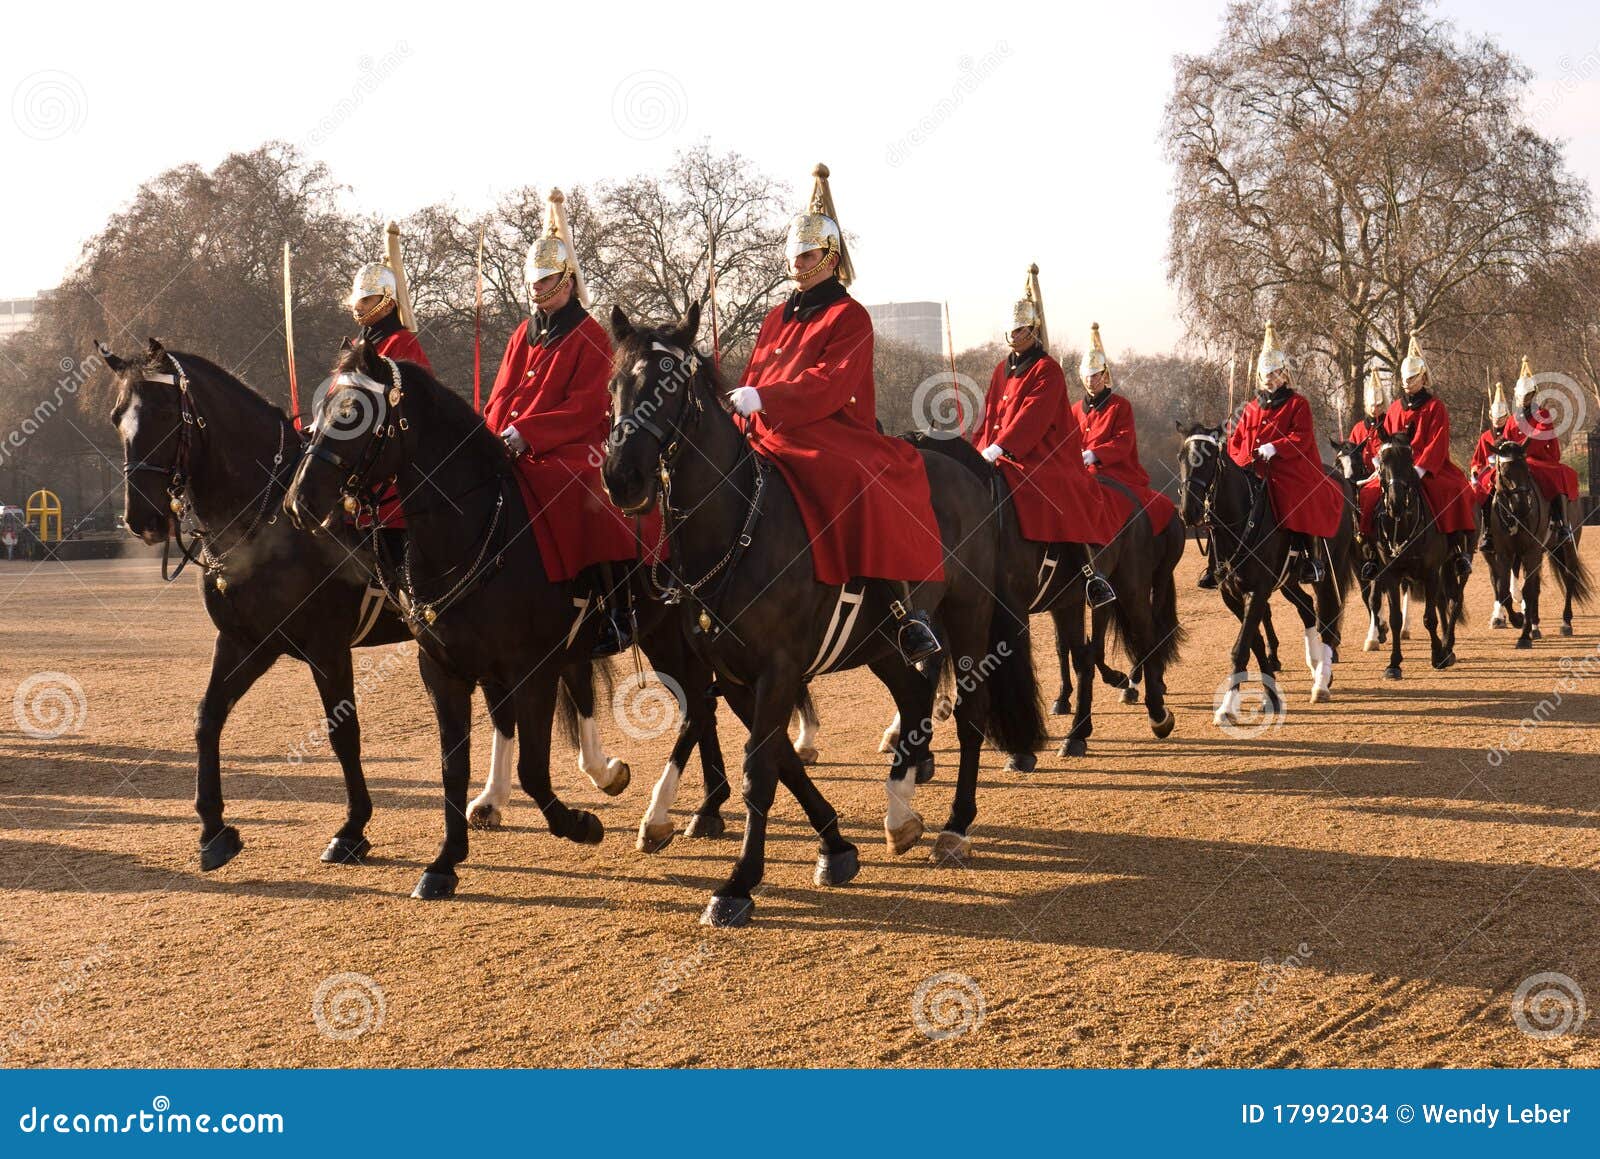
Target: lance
[
  {"x": 955, "y": 383},
  {"x": 1233, "y": 359},
  {"x": 711, "y": 291},
  {"x": 288, "y": 335},
  {"x": 477, "y": 334}
]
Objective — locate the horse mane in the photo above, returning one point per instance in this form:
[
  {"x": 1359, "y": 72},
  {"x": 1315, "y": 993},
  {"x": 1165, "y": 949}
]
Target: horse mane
[
  {"x": 449, "y": 406},
  {"x": 955, "y": 448},
  {"x": 191, "y": 362}
]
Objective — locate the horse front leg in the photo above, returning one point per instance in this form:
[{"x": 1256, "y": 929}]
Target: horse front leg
[
  {"x": 1227, "y": 711},
  {"x": 1069, "y": 618},
  {"x": 452, "y": 709},
  {"x": 733, "y": 902},
  {"x": 334, "y": 677},
  {"x": 536, "y": 704},
  {"x": 1432, "y": 608},
  {"x": 1532, "y": 584},
  {"x": 1396, "y": 619},
  {"x": 235, "y": 666}
]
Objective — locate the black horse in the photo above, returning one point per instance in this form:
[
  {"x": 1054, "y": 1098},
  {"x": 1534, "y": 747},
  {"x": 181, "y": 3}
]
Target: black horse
[
  {"x": 471, "y": 583},
  {"x": 1413, "y": 555},
  {"x": 1520, "y": 536},
  {"x": 1052, "y": 578},
  {"x": 741, "y": 555},
  {"x": 1350, "y": 466},
  {"x": 199, "y": 446},
  {"x": 1251, "y": 555}
]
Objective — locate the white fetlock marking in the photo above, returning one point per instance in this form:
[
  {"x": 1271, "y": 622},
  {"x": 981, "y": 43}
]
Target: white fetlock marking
[
  {"x": 1324, "y": 670},
  {"x": 663, "y": 795},
  {"x": 1313, "y": 648},
  {"x": 501, "y": 756},
  {"x": 900, "y": 793},
  {"x": 891, "y": 735},
  {"x": 1230, "y": 701},
  {"x": 592, "y": 760},
  {"x": 809, "y": 727}
]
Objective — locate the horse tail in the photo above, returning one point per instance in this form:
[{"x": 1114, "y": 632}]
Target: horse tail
[
  {"x": 1573, "y": 574},
  {"x": 1016, "y": 713},
  {"x": 1170, "y": 632}
]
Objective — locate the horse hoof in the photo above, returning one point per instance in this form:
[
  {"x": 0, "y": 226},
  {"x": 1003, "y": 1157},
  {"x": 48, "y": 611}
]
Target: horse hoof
[
  {"x": 620, "y": 775},
  {"x": 221, "y": 849},
  {"x": 586, "y": 829},
  {"x": 952, "y": 849},
  {"x": 1405, "y": 633},
  {"x": 903, "y": 837},
  {"x": 727, "y": 913},
  {"x": 943, "y": 708},
  {"x": 1073, "y": 747},
  {"x": 1163, "y": 727},
  {"x": 1130, "y": 696},
  {"x": 484, "y": 815},
  {"x": 1370, "y": 644},
  {"x": 1320, "y": 696},
  {"x": 837, "y": 868},
  {"x": 1392, "y": 672},
  {"x": 346, "y": 851},
  {"x": 1523, "y": 643},
  {"x": 654, "y": 838},
  {"x": 1021, "y": 763},
  {"x": 807, "y": 755},
  {"x": 1062, "y": 706},
  {"x": 1537, "y": 635},
  {"x": 1502, "y": 622},
  {"x": 924, "y": 770},
  {"x": 1448, "y": 660},
  {"x": 1566, "y": 629},
  {"x": 706, "y": 825},
  {"x": 435, "y": 886}
]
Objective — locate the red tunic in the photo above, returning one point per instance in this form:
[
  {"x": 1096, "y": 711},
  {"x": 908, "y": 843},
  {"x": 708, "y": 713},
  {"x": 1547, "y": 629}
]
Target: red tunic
[
  {"x": 863, "y": 496},
  {"x": 1304, "y": 496},
  {"x": 402, "y": 346},
  {"x": 1366, "y": 435},
  {"x": 1446, "y": 489},
  {"x": 557, "y": 399},
  {"x": 1541, "y": 449},
  {"x": 1108, "y": 431},
  {"x": 1056, "y": 498}
]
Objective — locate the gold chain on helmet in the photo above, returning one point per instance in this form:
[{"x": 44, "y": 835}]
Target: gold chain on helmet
[
  {"x": 540, "y": 299},
  {"x": 386, "y": 303}
]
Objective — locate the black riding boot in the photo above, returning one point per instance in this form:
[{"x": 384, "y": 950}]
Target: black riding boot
[
  {"x": 1208, "y": 579},
  {"x": 915, "y": 637},
  {"x": 1370, "y": 571},
  {"x": 1097, "y": 587},
  {"x": 1484, "y": 531},
  {"x": 1558, "y": 520},
  {"x": 1463, "y": 559},
  {"x": 1311, "y": 569},
  {"x": 616, "y": 626}
]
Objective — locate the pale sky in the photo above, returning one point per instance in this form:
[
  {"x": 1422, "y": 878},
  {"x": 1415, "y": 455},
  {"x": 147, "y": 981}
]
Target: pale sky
[{"x": 965, "y": 140}]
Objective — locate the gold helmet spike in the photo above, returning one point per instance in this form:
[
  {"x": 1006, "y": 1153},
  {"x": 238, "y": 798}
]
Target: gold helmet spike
[
  {"x": 1526, "y": 386},
  {"x": 1272, "y": 358},
  {"x": 1414, "y": 363},
  {"x": 1029, "y": 309},
  {"x": 555, "y": 252},
  {"x": 1375, "y": 392},
  {"x": 1498, "y": 408},
  {"x": 818, "y": 228},
  {"x": 395, "y": 260},
  {"x": 1094, "y": 358}
]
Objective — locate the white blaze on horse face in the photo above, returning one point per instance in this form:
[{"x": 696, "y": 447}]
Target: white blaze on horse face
[
  {"x": 900, "y": 793},
  {"x": 661, "y": 798},
  {"x": 129, "y": 426}
]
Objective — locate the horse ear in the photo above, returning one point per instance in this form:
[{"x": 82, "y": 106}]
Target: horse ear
[
  {"x": 684, "y": 335},
  {"x": 346, "y": 344},
  {"x": 1335, "y": 443},
  {"x": 1177, "y": 426},
  {"x": 621, "y": 328},
  {"x": 154, "y": 350},
  {"x": 116, "y": 364}
]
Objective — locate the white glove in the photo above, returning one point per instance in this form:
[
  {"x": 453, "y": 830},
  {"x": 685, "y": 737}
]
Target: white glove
[
  {"x": 992, "y": 452},
  {"x": 1090, "y": 459},
  {"x": 746, "y": 400},
  {"x": 1420, "y": 472},
  {"x": 1266, "y": 450},
  {"x": 513, "y": 439}
]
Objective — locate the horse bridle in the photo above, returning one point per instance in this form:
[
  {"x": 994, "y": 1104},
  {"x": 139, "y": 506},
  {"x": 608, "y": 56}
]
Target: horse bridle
[
  {"x": 671, "y": 445},
  {"x": 1514, "y": 500},
  {"x": 1413, "y": 511},
  {"x": 179, "y": 501}
]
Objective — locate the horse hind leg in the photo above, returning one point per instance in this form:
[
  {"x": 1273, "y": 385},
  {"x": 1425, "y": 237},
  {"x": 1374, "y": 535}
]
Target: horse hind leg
[
  {"x": 488, "y": 808},
  {"x": 808, "y": 725},
  {"x": 235, "y": 667},
  {"x": 608, "y": 774},
  {"x": 913, "y": 698},
  {"x": 335, "y": 680}
]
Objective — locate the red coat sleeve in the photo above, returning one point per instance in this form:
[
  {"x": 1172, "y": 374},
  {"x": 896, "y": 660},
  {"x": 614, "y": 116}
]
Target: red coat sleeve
[
  {"x": 1114, "y": 442},
  {"x": 1242, "y": 440},
  {"x": 826, "y": 387},
  {"x": 1296, "y": 438},
  {"x": 1480, "y": 453},
  {"x": 991, "y": 407},
  {"x": 578, "y": 387},
  {"x": 1037, "y": 400}
]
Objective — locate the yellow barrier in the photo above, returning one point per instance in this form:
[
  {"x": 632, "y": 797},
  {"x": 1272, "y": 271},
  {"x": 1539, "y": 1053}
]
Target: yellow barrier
[{"x": 44, "y": 506}]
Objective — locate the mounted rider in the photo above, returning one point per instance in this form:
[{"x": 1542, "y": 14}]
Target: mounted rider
[
  {"x": 551, "y": 405},
  {"x": 1448, "y": 494},
  {"x": 380, "y": 303},
  {"x": 1276, "y": 436},
  {"x": 809, "y": 404},
  {"x": 1110, "y": 442},
  {"x": 1367, "y": 434},
  {"x": 1031, "y": 435},
  {"x": 1533, "y": 427},
  {"x": 1483, "y": 449}
]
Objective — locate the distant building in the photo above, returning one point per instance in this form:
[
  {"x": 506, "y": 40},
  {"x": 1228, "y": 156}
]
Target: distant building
[
  {"x": 916, "y": 324},
  {"x": 16, "y": 315}
]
